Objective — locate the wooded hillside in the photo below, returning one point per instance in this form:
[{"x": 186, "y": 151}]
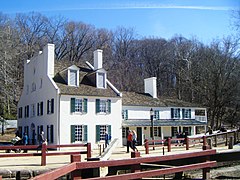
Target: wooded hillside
[{"x": 185, "y": 68}]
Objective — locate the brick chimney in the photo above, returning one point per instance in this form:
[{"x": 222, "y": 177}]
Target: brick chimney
[
  {"x": 97, "y": 59},
  {"x": 150, "y": 86}
]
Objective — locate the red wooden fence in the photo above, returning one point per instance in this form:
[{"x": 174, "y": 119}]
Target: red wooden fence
[
  {"x": 44, "y": 151},
  {"x": 76, "y": 169},
  {"x": 218, "y": 138}
]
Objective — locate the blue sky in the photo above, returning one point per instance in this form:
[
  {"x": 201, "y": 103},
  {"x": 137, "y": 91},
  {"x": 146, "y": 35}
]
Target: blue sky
[{"x": 203, "y": 19}]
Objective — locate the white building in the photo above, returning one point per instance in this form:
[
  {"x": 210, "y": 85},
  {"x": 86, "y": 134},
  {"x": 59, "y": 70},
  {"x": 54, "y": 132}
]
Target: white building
[
  {"x": 170, "y": 116},
  {"x": 78, "y": 104},
  {"x": 70, "y": 104}
]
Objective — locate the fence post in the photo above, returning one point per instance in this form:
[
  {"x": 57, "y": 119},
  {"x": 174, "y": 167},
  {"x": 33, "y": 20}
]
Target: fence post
[
  {"x": 169, "y": 144},
  {"x": 89, "y": 155},
  {"x": 235, "y": 137},
  {"x": 215, "y": 137},
  {"x": 77, "y": 174},
  {"x": 44, "y": 154},
  {"x": 205, "y": 146},
  {"x": 230, "y": 145},
  {"x": 206, "y": 171},
  {"x": 135, "y": 167},
  {"x": 187, "y": 143},
  {"x": 226, "y": 143},
  {"x": 146, "y": 146}
]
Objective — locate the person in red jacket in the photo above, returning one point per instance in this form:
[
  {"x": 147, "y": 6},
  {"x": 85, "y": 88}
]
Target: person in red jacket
[{"x": 129, "y": 140}]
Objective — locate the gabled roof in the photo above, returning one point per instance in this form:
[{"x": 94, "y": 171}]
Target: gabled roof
[
  {"x": 85, "y": 88},
  {"x": 145, "y": 99}
]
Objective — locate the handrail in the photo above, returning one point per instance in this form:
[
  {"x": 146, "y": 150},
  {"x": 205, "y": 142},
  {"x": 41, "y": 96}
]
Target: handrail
[
  {"x": 188, "y": 141},
  {"x": 134, "y": 162},
  {"x": 44, "y": 151}
]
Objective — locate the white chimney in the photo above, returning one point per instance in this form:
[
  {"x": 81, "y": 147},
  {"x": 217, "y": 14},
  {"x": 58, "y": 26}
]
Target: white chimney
[
  {"x": 48, "y": 55},
  {"x": 97, "y": 59},
  {"x": 150, "y": 86}
]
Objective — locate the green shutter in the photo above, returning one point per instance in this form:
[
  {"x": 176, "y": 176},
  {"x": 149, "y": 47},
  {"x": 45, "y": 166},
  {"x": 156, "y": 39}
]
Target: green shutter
[
  {"x": 52, "y": 105},
  {"x": 72, "y": 105},
  {"x": 157, "y": 115},
  {"x": 190, "y": 114},
  {"x": 126, "y": 114},
  {"x": 85, "y": 105},
  {"x": 41, "y": 108},
  {"x": 48, "y": 107},
  {"x": 72, "y": 133},
  {"x": 183, "y": 113},
  {"x": 109, "y": 130},
  {"x": 97, "y": 133},
  {"x": 51, "y": 134},
  {"x": 85, "y": 130},
  {"x": 172, "y": 113},
  {"x": 178, "y": 112},
  {"x": 97, "y": 105},
  {"x": 109, "y": 105}
]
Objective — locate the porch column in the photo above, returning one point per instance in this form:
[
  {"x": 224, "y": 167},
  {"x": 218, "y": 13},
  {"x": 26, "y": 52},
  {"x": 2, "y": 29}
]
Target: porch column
[{"x": 193, "y": 130}]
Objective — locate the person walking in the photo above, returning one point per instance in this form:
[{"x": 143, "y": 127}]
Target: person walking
[
  {"x": 106, "y": 139},
  {"x": 134, "y": 140},
  {"x": 41, "y": 138},
  {"x": 25, "y": 141},
  {"x": 129, "y": 140}
]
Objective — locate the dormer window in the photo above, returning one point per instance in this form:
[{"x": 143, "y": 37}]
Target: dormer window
[
  {"x": 73, "y": 76},
  {"x": 101, "y": 80}
]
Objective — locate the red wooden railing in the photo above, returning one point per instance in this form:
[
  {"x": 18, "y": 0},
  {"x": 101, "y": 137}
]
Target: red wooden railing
[
  {"x": 44, "y": 151},
  {"x": 218, "y": 138},
  {"x": 77, "y": 169}
]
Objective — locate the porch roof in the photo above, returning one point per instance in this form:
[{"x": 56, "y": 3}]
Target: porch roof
[{"x": 163, "y": 122}]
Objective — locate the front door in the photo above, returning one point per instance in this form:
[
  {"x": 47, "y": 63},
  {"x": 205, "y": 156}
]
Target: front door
[{"x": 139, "y": 135}]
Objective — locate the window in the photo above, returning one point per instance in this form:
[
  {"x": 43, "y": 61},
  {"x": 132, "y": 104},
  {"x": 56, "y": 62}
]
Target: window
[
  {"x": 100, "y": 132},
  {"x": 26, "y": 112},
  {"x": 125, "y": 114},
  {"x": 101, "y": 80},
  {"x": 39, "y": 130},
  {"x": 32, "y": 112},
  {"x": 199, "y": 112},
  {"x": 73, "y": 78},
  {"x": 187, "y": 130},
  {"x": 157, "y": 132},
  {"x": 20, "y": 131},
  {"x": 20, "y": 112},
  {"x": 79, "y": 133},
  {"x": 186, "y": 113},
  {"x": 50, "y": 106},
  {"x": 174, "y": 131},
  {"x": 40, "y": 109},
  {"x": 125, "y": 132},
  {"x": 175, "y": 113},
  {"x": 156, "y": 115},
  {"x": 103, "y": 106},
  {"x": 79, "y": 105}
]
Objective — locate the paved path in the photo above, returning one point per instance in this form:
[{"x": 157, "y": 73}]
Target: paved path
[{"x": 30, "y": 165}]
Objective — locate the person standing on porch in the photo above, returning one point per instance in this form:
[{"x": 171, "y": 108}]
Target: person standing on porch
[{"x": 134, "y": 140}]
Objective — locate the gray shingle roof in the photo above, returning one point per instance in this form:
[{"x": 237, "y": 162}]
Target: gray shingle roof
[
  {"x": 144, "y": 99},
  {"x": 85, "y": 88},
  {"x": 165, "y": 122}
]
